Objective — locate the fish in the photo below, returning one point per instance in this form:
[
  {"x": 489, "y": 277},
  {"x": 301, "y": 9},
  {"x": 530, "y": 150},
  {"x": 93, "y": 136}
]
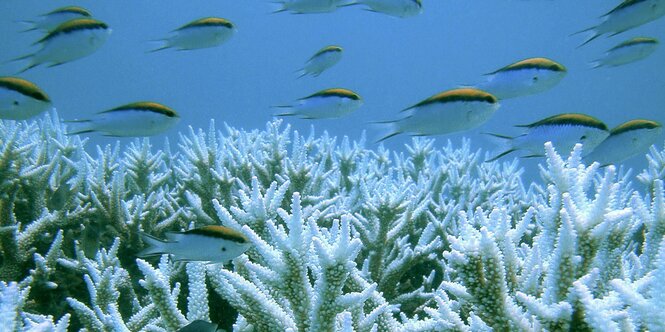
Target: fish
[
  {"x": 627, "y": 15},
  {"x": 199, "y": 326},
  {"x": 144, "y": 118},
  {"x": 70, "y": 41},
  {"x": 51, "y": 20},
  {"x": 397, "y": 8},
  {"x": 325, "y": 104},
  {"x": 563, "y": 130},
  {"x": 625, "y": 141},
  {"x": 444, "y": 113},
  {"x": 213, "y": 244},
  {"x": 202, "y": 33},
  {"x": 321, "y": 61},
  {"x": 631, "y": 50},
  {"x": 523, "y": 78},
  {"x": 307, "y": 6},
  {"x": 21, "y": 99}
]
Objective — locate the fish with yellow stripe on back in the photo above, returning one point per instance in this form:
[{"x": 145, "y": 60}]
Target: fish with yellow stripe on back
[
  {"x": 202, "y": 33},
  {"x": 325, "y": 104},
  {"x": 321, "y": 61},
  {"x": 627, "y": 15},
  {"x": 214, "y": 244},
  {"x": 51, "y": 20},
  {"x": 21, "y": 99},
  {"x": 625, "y": 141},
  {"x": 397, "y": 8},
  {"x": 307, "y": 6},
  {"x": 444, "y": 113},
  {"x": 523, "y": 78},
  {"x": 563, "y": 130},
  {"x": 629, "y": 51},
  {"x": 143, "y": 118},
  {"x": 71, "y": 40}
]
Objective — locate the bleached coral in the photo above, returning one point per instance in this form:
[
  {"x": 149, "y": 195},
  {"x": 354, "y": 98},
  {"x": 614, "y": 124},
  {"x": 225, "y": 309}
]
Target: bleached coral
[{"x": 344, "y": 238}]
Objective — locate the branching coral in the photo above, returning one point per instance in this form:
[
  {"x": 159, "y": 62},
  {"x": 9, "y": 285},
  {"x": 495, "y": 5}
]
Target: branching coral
[{"x": 344, "y": 238}]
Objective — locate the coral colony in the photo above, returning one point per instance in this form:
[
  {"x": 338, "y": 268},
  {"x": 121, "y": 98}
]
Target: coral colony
[{"x": 343, "y": 238}]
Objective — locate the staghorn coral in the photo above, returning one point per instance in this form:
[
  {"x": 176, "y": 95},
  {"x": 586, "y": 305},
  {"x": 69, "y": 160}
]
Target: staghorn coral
[{"x": 345, "y": 238}]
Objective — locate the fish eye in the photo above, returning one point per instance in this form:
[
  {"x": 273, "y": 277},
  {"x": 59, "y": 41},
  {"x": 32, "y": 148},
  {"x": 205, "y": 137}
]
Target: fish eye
[
  {"x": 535, "y": 79},
  {"x": 583, "y": 137},
  {"x": 223, "y": 248},
  {"x": 15, "y": 103}
]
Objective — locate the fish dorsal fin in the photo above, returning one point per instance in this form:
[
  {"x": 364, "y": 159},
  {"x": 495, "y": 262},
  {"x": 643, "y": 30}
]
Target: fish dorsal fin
[
  {"x": 208, "y": 21},
  {"x": 334, "y": 92},
  {"x": 74, "y": 25},
  {"x": 329, "y": 48},
  {"x": 532, "y": 63},
  {"x": 625, "y": 4},
  {"x": 24, "y": 87},
  {"x": 635, "y": 41},
  {"x": 219, "y": 232},
  {"x": 70, "y": 9},
  {"x": 146, "y": 106},
  {"x": 634, "y": 125},
  {"x": 460, "y": 94},
  {"x": 573, "y": 119}
]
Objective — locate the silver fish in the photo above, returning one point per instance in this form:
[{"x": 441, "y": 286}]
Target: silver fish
[
  {"x": 199, "y": 326},
  {"x": 631, "y": 50},
  {"x": 136, "y": 119},
  {"x": 71, "y": 40},
  {"x": 321, "y": 61},
  {"x": 51, "y": 20},
  {"x": 214, "y": 244},
  {"x": 563, "y": 130},
  {"x": 627, "y": 15},
  {"x": 523, "y": 78},
  {"x": 325, "y": 104},
  {"x": 202, "y": 33},
  {"x": 397, "y": 8},
  {"x": 21, "y": 99},
  {"x": 447, "y": 112},
  {"x": 625, "y": 141},
  {"x": 307, "y": 6}
]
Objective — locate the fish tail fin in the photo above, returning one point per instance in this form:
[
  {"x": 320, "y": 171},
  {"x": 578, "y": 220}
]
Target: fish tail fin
[
  {"x": 595, "y": 34},
  {"x": 155, "y": 246},
  {"x": 301, "y": 72},
  {"x": 504, "y": 145},
  {"x": 390, "y": 128},
  {"x": 80, "y": 127},
  {"x": 161, "y": 48},
  {"x": 595, "y": 64},
  {"x": 27, "y": 22}
]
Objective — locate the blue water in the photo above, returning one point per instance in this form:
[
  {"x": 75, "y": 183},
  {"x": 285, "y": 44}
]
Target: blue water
[{"x": 392, "y": 63}]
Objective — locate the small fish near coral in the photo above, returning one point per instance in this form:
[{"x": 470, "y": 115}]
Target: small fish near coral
[
  {"x": 202, "y": 33},
  {"x": 563, "y": 130},
  {"x": 51, "y": 20},
  {"x": 21, "y": 99},
  {"x": 626, "y": 140},
  {"x": 325, "y": 104},
  {"x": 523, "y": 78},
  {"x": 214, "y": 244},
  {"x": 321, "y": 61},
  {"x": 444, "y": 113},
  {"x": 143, "y": 118},
  {"x": 69, "y": 41},
  {"x": 199, "y": 326}
]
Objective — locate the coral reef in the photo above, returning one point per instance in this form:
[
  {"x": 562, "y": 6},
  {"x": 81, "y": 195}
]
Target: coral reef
[{"x": 344, "y": 238}]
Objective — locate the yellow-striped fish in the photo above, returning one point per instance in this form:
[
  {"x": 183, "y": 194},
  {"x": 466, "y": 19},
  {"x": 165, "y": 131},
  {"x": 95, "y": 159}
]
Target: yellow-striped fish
[
  {"x": 71, "y": 40},
  {"x": 631, "y": 50},
  {"x": 563, "y": 130},
  {"x": 627, "y": 15},
  {"x": 523, "y": 78},
  {"x": 21, "y": 99},
  {"x": 397, "y": 8},
  {"x": 625, "y": 141},
  {"x": 444, "y": 113},
  {"x": 321, "y": 61},
  {"x": 143, "y": 118},
  {"x": 202, "y": 33},
  {"x": 325, "y": 104},
  {"x": 214, "y": 244},
  {"x": 51, "y": 20},
  {"x": 307, "y": 6}
]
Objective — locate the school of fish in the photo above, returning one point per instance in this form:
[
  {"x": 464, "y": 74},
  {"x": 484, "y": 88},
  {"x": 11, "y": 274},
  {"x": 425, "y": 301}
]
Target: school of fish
[{"x": 72, "y": 32}]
